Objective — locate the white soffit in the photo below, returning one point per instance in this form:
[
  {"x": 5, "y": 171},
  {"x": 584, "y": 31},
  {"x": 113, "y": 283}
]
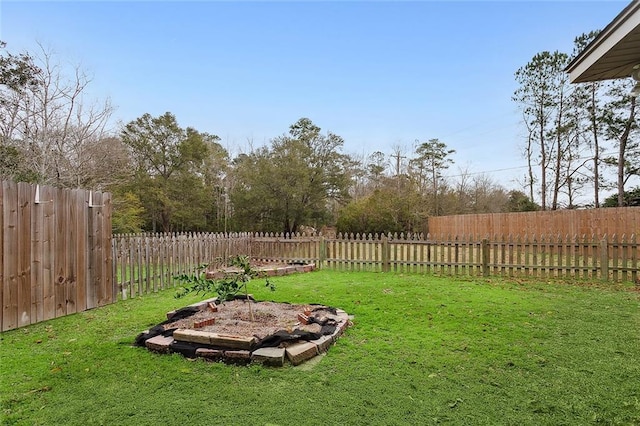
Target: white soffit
[{"x": 613, "y": 53}]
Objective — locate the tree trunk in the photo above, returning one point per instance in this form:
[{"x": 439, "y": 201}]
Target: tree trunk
[
  {"x": 435, "y": 191},
  {"x": 596, "y": 148},
  {"x": 530, "y": 168},
  {"x": 165, "y": 220},
  {"x": 557, "y": 171},
  {"x": 543, "y": 163},
  {"x": 622, "y": 151}
]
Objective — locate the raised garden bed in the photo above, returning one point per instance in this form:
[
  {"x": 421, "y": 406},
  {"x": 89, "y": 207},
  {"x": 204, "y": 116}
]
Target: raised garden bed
[
  {"x": 243, "y": 330},
  {"x": 279, "y": 333}
]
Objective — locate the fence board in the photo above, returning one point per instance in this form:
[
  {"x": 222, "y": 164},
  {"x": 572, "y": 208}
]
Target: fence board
[
  {"x": 633, "y": 247},
  {"x": 24, "y": 254},
  {"x": 48, "y": 253},
  {"x": 10, "y": 265},
  {"x": 43, "y": 253},
  {"x": 111, "y": 290},
  {"x": 71, "y": 287},
  {"x": 103, "y": 294},
  {"x": 37, "y": 227},
  {"x": 2, "y": 230},
  {"x": 79, "y": 204},
  {"x": 60, "y": 255},
  {"x": 599, "y": 222}
]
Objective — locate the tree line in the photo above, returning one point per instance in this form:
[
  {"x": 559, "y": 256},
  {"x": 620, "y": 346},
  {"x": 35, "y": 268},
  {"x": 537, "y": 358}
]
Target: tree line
[{"x": 165, "y": 177}]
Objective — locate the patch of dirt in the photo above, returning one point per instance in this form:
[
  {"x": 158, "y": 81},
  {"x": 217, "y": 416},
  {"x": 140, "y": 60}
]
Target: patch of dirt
[{"x": 233, "y": 318}]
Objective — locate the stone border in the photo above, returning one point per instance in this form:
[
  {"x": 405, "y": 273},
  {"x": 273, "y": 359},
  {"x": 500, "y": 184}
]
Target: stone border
[{"x": 239, "y": 349}]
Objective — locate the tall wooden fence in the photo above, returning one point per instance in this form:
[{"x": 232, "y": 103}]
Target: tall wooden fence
[
  {"x": 55, "y": 252},
  {"x": 599, "y": 222},
  {"x": 147, "y": 263}
]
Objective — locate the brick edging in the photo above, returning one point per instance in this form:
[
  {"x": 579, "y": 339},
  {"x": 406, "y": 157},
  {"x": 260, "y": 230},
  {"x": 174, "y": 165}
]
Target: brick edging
[{"x": 239, "y": 349}]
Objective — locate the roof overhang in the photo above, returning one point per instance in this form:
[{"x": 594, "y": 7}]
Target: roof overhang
[{"x": 613, "y": 53}]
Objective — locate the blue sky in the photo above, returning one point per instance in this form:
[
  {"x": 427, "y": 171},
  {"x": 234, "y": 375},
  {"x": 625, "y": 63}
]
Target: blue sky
[{"x": 379, "y": 74}]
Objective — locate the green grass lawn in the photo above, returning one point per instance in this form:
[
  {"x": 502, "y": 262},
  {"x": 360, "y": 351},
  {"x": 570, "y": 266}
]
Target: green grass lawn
[{"x": 422, "y": 350}]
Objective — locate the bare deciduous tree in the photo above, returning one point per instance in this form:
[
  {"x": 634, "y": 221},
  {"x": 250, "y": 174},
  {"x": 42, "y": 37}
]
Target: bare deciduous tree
[{"x": 56, "y": 129}]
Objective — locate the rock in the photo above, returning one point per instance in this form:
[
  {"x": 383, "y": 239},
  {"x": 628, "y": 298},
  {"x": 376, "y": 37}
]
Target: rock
[
  {"x": 237, "y": 357},
  {"x": 300, "y": 352},
  {"x": 159, "y": 343},
  {"x": 210, "y": 354},
  {"x": 269, "y": 356},
  {"x": 323, "y": 343}
]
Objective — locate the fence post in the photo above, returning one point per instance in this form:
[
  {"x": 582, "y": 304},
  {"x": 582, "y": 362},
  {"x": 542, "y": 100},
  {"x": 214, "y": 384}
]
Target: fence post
[
  {"x": 485, "y": 257},
  {"x": 386, "y": 266},
  {"x": 604, "y": 259},
  {"x": 322, "y": 255}
]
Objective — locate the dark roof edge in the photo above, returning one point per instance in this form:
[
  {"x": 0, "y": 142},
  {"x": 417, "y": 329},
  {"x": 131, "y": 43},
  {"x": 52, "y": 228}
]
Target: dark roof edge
[{"x": 604, "y": 34}]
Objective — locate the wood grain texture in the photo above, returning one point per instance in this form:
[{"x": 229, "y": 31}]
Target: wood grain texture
[
  {"x": 44, "y": 252},
  {"x": 10, "y": 247}
]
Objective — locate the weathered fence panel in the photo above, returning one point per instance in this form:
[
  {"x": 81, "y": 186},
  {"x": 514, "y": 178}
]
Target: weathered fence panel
[
  {"x": 52, "y": 261},
  {"x": 145, "y": 263},
  {"x": 10, "y": 258},
  {"x": 599, "y": 222},
  {"x": 2, "y": 295}
]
